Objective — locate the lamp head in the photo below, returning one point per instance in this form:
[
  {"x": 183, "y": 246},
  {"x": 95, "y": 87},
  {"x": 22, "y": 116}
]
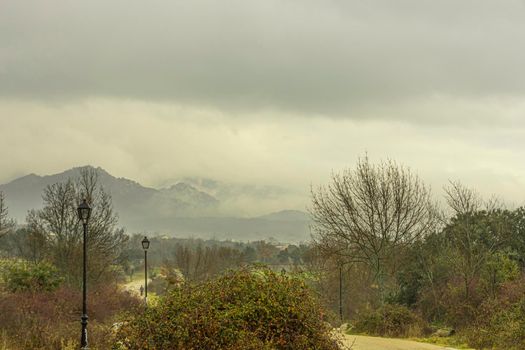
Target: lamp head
[
  {"x": 145, "y": 243},
  {"x": 84, "y": 211}
]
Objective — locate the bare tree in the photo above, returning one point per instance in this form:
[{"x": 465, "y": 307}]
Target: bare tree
[
  {"x": 369, "y": 214},
  {"x": 461, "y": 199},
  {"x": 59, "y": 223},
  {"x": 464, "y": 200},
  {"x": 200, "y": 262},
  {"x": 32, "y": 242},
  {"x": 6, "y": 224}
]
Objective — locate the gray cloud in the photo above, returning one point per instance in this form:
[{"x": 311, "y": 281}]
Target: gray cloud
[
  {"x": 157, "y": 90},
  {"x": 334, "y": 58}
]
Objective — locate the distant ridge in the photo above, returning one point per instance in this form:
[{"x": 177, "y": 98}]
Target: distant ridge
[
  {"x": 286, "y": 216},
  {"x": 187, "y": 208}
]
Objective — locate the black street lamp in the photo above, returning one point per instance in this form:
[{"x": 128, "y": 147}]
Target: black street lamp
[
  {"x": 341, "y": 292},
  {"x": 341, "y": 264},
  {"x": 145, "y": 246},
  {"x": 84, "y": 212}
]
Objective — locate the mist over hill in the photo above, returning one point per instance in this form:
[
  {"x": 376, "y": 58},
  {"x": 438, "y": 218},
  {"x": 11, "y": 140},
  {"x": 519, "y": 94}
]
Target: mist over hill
[{"x": 191, "y": 207}]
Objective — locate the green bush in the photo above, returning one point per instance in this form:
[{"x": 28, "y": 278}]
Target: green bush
[
  {"x": 498, "y": 326},
  {"x": 391, "y": 321},
  {"x": 21, "y": 276},
  {"x": 245, "y": 309}
]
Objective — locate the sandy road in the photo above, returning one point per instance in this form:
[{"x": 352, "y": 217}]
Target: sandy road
[
  {"x": 373, "y": 343},
  {"x": 134, "y": 286}
]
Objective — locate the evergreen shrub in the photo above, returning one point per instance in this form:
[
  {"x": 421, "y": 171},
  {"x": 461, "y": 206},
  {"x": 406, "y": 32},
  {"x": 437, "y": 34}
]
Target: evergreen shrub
[{"x": 248, "y": 309}]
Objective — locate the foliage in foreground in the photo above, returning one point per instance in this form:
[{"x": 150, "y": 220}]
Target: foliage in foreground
[
  {"x": 45, "y": 320},
  {"x": 391, "y": 321},
  {"x": 245, "y": 309},
  {"x": 500, "y": 323}
]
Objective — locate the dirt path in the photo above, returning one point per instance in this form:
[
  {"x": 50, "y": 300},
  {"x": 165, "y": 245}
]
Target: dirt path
[
  {"x": 372, "y": 343},
  {"x": 134, "y": 286}
]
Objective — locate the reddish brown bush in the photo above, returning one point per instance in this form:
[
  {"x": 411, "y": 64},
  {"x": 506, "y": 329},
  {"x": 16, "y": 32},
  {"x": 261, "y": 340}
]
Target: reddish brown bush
[
  {"x": 499, "y": 323},
  {"x": 48, "y": 320},
  {"x": 391, "y": 321}
]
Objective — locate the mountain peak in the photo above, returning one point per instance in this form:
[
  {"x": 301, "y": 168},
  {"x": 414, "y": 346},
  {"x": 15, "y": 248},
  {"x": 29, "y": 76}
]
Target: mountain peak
[
  {"x": 182, "y": 186},
  {"x": 31, "y": 176},
  {"x": 202, "y": 207},
  {"x": 287, "y": 215},
  {"x": 98, "y": 169},
  {"x": 190, "y": 195},
  {"x": 24, "y": 181}
]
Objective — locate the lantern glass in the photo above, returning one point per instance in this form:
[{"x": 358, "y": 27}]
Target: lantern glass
[
  {"x": 84, "y": 211},
  {"x": 145, "y": 243}
]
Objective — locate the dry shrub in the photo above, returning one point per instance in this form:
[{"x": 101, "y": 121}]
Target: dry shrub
[
  {"x": 51, "y": 320},
  {"x": 391, "y": 321},
  {"x": 500, "y": 322}
]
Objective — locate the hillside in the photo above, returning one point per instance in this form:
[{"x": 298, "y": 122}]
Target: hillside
[{"x": 186, "y": 208}]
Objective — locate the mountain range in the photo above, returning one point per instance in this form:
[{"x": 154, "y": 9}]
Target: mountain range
[{"x": 191, "y": 207}]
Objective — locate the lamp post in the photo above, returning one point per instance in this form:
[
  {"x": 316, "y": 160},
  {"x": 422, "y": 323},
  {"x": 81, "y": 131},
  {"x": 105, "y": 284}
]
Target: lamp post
[
  {"x": 84, "y": 212},
  {"x": 145, "y": 246},
  {"x": 341, "y": 264},
  {"x": 341, "y": 292}
]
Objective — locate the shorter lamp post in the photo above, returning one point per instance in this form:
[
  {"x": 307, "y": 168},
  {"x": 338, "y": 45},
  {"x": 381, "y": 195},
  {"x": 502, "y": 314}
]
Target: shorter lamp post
[
  {"x": 84, "y": 212},
  {"x": 341, "y": 264},
  {"x": 145, "y": 246},
  {"x": 341, "y": 292}
]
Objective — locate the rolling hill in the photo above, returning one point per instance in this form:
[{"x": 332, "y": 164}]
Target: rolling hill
[{"x": 190, "y": 207}]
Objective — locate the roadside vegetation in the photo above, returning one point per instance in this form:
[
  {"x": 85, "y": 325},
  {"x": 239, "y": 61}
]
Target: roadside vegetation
[
  {"x": 406, "y": 264},
  {"x": 40, "y": 285},
  {"x": 39, "y": 311},
  {"x": 414, "y": 268}
]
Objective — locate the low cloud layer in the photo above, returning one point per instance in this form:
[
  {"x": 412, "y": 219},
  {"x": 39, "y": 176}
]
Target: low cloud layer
[
  {"x": 270, "y": 92},
  {"x": 156, "y": 144}
]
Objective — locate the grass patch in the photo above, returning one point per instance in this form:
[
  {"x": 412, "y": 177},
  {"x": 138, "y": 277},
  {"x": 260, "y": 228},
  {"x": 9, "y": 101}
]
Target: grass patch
[{"x": 453, "y": 341}]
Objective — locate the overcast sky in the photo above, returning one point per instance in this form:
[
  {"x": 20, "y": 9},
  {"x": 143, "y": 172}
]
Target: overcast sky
[{"x": 268, "y": 92}]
